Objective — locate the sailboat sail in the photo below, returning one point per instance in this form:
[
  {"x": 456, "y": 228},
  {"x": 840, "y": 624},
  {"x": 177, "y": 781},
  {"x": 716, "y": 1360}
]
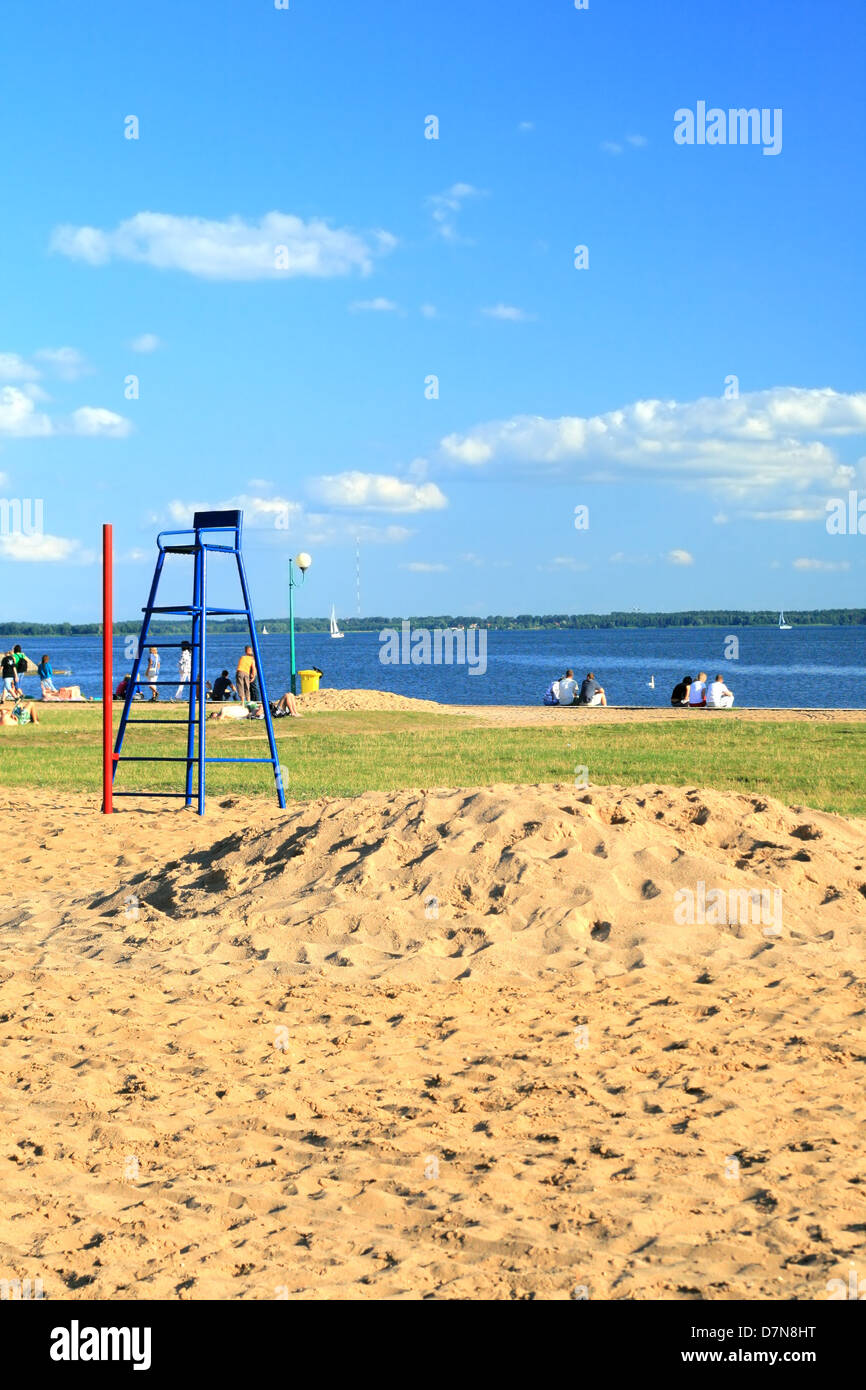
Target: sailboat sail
[
  {"x": 335, "y": 631},
  {"x": 783, "y": 626}
]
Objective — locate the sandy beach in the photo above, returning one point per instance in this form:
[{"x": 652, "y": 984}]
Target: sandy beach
[
  {"x": 447, "y": 1044},
  {"x": 517, "y": 716}
]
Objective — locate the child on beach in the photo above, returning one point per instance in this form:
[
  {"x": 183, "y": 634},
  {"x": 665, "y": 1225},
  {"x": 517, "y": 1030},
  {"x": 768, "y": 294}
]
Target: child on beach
[
  {"x": 8, "y": 670},
  {"x": 152, "y": 672},
  {"x": 20, "y": 665},
  {"x": 45, "y": 672},
  {"x": 184, "y": 668}
]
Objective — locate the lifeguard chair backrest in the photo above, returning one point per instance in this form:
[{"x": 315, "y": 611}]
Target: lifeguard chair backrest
[{"x": 218, "y": 520}]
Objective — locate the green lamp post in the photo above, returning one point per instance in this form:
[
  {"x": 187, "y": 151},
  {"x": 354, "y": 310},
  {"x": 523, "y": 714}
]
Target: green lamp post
[{"x": 303, "y": 562}]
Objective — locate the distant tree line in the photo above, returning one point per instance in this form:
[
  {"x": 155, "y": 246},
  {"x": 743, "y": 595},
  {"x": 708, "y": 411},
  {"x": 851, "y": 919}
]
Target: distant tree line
[{"x": 523, "y": 622}]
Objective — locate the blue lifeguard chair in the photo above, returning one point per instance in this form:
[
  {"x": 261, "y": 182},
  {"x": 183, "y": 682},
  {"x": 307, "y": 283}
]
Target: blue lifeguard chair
[{"x": 211, "y": 533}]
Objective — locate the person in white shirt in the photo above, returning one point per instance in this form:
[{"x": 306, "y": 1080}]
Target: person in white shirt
[
  {"x": 567, "y": 687},
  {"x": 184, "y": 669},
  {"x": 718, "y": 695},
  {"x": 698, "y": 691}
]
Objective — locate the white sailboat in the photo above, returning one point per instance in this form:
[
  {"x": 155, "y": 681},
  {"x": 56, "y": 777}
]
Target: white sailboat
[
  {"x": 335, "y": 631},
  {"x": 783, "y": 626},
  {"x": 265, "y": 630}
]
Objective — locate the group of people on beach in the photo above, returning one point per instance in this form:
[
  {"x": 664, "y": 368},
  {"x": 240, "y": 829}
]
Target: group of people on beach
[
  {"x": 690, "y": 692},
  {"x": 244, "y": 689},
  {"x": 702, "y": 693},
  {"x": 13, "y": 667},
  {"x": 565, "y": 691}
]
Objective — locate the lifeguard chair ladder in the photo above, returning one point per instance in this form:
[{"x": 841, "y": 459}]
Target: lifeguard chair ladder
[{"x": 197, "y": 542}]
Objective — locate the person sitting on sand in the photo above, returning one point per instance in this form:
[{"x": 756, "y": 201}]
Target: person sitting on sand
[
  {"x": 45, "y": 672},
  {"x": 718, "y": 694},
  {"x": 22, "y": 712},
  {"x": 698, "y": 691},
  {"x": 223, "y": 688},
  {"x": 8, "y": 671},
  {"x": 680, "y": 692},
  {"x": 567, "y": 688},
  {"x": 591, "y": 693},
  {"x": 287, "y": 704}
]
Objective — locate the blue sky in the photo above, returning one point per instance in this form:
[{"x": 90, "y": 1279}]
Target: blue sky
[{"x": 298, "y": 390}]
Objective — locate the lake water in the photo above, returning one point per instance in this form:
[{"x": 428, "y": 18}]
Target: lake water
[{"x": 807, "y": 667}]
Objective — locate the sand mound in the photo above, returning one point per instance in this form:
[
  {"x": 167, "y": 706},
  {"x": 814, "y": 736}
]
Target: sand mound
[
  {"x": 249, "y": 1054},
  {"x": 363, "y": 699},
  {"x": 445, "y": 884}
]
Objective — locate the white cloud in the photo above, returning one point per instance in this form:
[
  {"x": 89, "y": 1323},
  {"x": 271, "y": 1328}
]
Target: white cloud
[
  {"x": 93, "y": 420},
  {"x": 564, "y": 562},
  {"x": 637, "y": 142},
  {"x": 44, "y": 548},
  {"x": 621, "y": 558},
  {"x": 145, "y": 342},
  {"x": 285, "y": 522},
  {"x": 824, "y": 565},
  {"x": 278, "y": 246},
  {"x": 329, "y": 530},
  {"x": 680, "y": 557},
  {"x": 424, "y": 567},
  {"x": 445, "y": 207},
  {"x": 526, "y": 125},
  {"x": 19, "y": 417},
  {"x": 14, "y": 368},
  {"x": 741, "y": 448},
  {"x": 374, "y": 306},
  {"x": 508, "y": 313},
  {"x": 260, "y": 513},
  {"x": 787, "y": 514},
  {"x": 377, "y": 492},
  {"x": 429, "y": 311},
  {"x": 68, "y": 363}
]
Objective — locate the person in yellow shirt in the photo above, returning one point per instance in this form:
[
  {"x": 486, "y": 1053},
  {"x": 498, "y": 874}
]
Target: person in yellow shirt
[{"x": 245, "y": 674}]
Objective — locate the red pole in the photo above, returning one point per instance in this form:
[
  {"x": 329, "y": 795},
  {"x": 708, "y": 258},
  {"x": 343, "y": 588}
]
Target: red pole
[{"x": 107, "y": 673}]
